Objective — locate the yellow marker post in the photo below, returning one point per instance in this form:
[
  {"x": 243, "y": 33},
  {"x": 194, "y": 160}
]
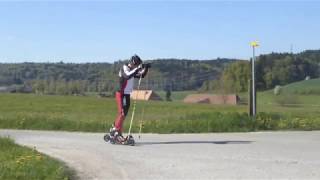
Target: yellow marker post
[{"x": 254, "y": 44}]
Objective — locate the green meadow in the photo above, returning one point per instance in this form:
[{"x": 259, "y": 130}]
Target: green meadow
[{"x": 93, "y": 114}]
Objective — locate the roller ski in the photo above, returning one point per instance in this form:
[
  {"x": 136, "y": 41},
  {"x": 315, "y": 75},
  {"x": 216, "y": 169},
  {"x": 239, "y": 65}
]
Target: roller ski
[{"x": 115, "y": 137}]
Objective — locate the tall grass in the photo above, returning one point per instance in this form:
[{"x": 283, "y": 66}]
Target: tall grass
[{"x": 20, "y": 111}]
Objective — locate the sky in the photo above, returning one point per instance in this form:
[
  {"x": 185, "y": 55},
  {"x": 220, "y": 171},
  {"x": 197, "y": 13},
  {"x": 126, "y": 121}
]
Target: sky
[{"x": 107, "y": 31}]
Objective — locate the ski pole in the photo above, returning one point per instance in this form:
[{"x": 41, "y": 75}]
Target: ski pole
[
  {"x": 143, "y": 108},
  {"x": 134, "y": 105}
]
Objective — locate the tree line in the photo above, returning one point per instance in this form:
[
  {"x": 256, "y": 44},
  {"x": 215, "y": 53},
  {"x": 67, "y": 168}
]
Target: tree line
[
  {"x": 271, "y": 70},
  {"x": 218, "y": 75},
  {"x": 72, "y": 78}
]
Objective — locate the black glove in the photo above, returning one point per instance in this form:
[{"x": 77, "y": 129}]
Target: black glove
[{"x": 146, "y": 65}]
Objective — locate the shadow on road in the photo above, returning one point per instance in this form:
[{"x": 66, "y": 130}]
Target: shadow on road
[{"x": 195, "y": 142}]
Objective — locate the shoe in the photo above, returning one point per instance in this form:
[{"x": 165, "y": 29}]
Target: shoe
[
  {"x": 112, "y": 131},
  {"x": 116, "y": 135}
]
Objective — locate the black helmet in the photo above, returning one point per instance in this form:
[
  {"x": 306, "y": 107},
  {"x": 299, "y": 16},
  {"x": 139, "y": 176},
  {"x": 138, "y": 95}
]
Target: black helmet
[{"x": 135, "y": 60}]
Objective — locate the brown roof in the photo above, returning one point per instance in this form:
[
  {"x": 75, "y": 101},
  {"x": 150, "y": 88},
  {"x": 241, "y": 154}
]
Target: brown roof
[
  {"x": 145, "y": 95},
  {"x": 212, "y": 99}
]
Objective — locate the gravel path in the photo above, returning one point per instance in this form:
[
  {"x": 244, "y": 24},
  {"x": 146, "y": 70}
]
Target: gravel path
[{"x": 259, "y": 155}]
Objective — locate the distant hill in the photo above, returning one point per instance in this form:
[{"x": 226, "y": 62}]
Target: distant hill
[
  {"x": 284, "y": 68},
  {"x": 72, "y": 78},
  {"x": 307, "y": 87},
  {"x": 228, "y": 75},
  {"x": 271, "y": 70}
]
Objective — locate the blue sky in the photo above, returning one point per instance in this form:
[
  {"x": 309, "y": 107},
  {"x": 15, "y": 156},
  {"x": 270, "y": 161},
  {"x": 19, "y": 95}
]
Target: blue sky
[{"x": 108, "y": 31}]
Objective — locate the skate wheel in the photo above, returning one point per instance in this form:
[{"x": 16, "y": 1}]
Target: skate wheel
[
  {"x": 130, "y": 141},
  {"x": 106, "y": 137},
  {"x": 112, "y": 141}
]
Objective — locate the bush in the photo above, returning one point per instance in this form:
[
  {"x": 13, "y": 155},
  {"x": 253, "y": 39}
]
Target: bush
[
  {"x": 277, "y": 90},
  {"x": 287, "y": 100}
]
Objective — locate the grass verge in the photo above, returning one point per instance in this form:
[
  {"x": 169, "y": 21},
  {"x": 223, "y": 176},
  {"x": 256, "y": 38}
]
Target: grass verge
[{"x": 19, "y": 162}]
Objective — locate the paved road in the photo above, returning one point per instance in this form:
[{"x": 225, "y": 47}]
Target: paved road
[{"x": 260, "y": 155}]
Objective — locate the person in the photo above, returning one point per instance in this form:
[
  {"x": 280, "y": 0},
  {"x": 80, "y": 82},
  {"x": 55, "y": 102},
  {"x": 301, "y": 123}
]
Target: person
[{"x": 133, "y": 69}]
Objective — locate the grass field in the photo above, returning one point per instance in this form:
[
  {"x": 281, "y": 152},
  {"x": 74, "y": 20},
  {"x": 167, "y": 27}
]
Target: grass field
[
  {"x": 309, "y": 87},
  {"x": 19, "y": 162},
  {"x": 74, "y": 113},
  {"x": 87, "y": 113},
  {"x": 298, "y": 99},
  {"x": 301, "y": 104}
]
